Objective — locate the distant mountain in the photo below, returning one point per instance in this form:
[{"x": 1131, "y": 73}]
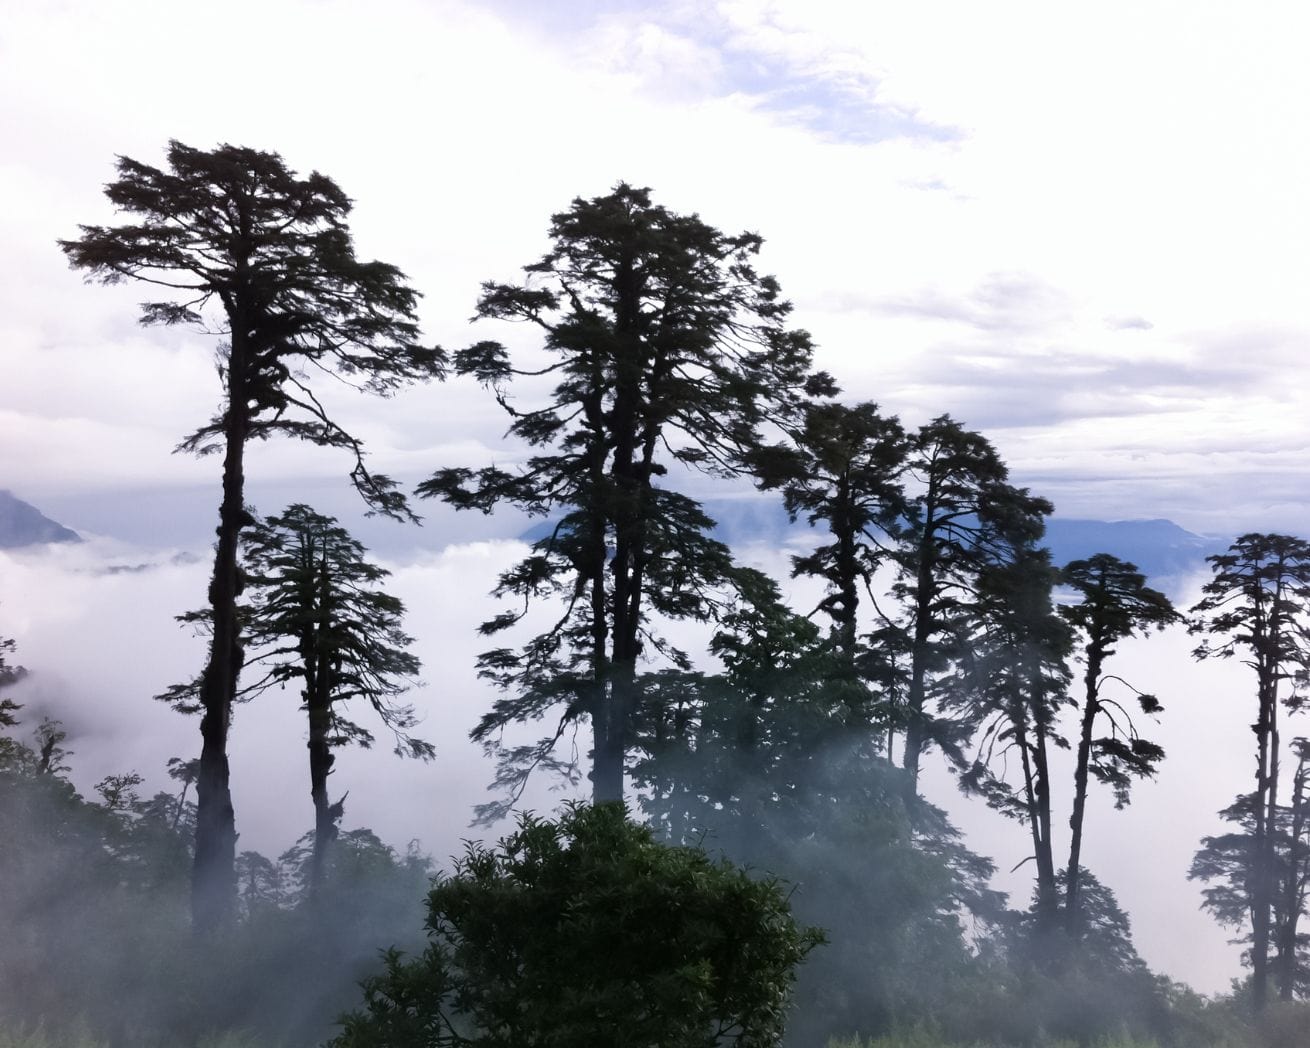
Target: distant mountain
[
  {"x": 1159, "y": 548},
  {"x": 22, "y": 524}
]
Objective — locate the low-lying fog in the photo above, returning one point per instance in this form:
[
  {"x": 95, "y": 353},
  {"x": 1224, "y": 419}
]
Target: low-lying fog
[{"x": 94, "y": 624}]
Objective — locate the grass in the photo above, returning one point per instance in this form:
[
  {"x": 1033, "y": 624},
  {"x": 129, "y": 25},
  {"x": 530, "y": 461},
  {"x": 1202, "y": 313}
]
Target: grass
[
  {"x": 41, "y": 1036},
  {"x": 922, "y": 1038}
]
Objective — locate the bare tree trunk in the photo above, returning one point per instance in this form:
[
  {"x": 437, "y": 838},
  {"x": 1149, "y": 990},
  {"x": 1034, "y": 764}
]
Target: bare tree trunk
[
  {"x": 213, "y": 877},
  {"x": 321, "y": 760},
  {"x": 1261, "y": 891},
  {"x": 1091, "y": 707}
]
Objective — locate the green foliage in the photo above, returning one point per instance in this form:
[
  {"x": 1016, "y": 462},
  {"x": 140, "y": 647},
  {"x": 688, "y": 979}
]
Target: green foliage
[
  {"x": 93, "y": 903},
  {"x": 847, "y": 473},
  {"x": 771, "y": 765},
  {"x": 1254, "y": 608},
  {"x": 667, "y": 348},
  {"x": 245, "y": 248},
  {"x": 585, "y": 930},
  {"x": 314, "y": 614},
  {"x": 233, "y": 232},
  {"x": 962, "y": 514}
]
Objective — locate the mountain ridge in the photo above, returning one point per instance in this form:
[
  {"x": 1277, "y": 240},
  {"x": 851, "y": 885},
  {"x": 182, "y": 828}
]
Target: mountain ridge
[
  {"x": 22, "y": 524},
  {"x": 1160, "y": 549}
]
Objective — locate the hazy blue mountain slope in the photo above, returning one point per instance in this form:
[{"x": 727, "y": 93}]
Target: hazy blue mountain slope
[
  {"x": 22, "y": 524},
  {"x": 1159, "y": 548}
]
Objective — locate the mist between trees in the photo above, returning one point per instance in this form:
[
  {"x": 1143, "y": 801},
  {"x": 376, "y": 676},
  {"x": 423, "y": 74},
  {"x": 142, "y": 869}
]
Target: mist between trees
[{"x": 792, "y": 745}]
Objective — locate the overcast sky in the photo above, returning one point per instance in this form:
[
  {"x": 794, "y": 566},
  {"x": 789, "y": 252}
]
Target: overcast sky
[{"x": 1083, "y": 231}]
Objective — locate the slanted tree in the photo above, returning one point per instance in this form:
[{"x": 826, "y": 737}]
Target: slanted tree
[
  {"x": 667, "y": 349},
  {"x": 315, "y": 615},
  {"x": 962, "y": 514},
  {"x": 1114, "y": 603},
  {"x": 1254, "y": 608},
  {"x": 240, "y": 243}
]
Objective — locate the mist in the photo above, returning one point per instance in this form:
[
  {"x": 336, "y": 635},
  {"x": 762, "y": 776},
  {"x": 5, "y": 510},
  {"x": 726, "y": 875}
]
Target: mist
[{"x": 94, "y": 625}]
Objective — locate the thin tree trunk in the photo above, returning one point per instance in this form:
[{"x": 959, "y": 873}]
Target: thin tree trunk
[
  {"x": 318, "y": 700},
  {"x": 1293, "y": 888},
  {"x": 606, "y": 780},
  {"x": 1261, "y": 895},
  {"x": 625, "y": 506},
  {"x": 916, "y": 700},
  {"x": 321, "y": 760},
  {"x": 848, "y": 601},
  {"x": 1091, "y": 706},
  {"x": 1047, "y": 892},
  {"x": 213, "y": 878}
]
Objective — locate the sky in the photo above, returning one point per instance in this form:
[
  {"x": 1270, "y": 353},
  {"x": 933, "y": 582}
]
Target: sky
[{"x": 1082, "y": 230}]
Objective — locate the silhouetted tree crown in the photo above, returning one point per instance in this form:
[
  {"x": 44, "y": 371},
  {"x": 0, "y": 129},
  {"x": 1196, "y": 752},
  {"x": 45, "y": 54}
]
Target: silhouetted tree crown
[
  {"x": 316, "y": 615},
  {"x": 667, "y": 348}
]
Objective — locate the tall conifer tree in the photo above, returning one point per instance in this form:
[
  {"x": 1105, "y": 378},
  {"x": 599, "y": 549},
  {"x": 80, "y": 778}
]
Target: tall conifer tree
[
  {"x": 667, "y": 349},
  {"x": 962, "y": 515},
  {"x": 1254, "y": 608},
  {"x": 238, "y": 242},
  {"x": 1115, "y": 603}
]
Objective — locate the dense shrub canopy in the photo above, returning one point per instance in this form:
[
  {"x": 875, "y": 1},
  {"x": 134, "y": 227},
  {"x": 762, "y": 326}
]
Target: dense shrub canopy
[{"x": 586, "y": 931}]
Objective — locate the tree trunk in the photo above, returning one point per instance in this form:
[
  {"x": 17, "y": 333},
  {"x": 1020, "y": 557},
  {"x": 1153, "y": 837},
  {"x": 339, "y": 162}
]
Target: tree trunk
[
  {"x": 1091, "y": 706},
  {"x": 213, "y": 876},
  {"x": 1047, "y": 893},
  {"x": 606, "y": 779},
  {"x": 1036, "y": 791},
  {"x": 1266, "y": 796},
  {"x": 321, "y": 760},
  {"x": 848, "y": 599},
  {"x": 626, "y": 506},
  {"x": 1292, "y": 889},
  {"x": 915, "y": 715}
]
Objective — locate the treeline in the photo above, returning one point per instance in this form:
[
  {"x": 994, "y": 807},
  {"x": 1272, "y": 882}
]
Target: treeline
[{"x": 943, "y": 626}]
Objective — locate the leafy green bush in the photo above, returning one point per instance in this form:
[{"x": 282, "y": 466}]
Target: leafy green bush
[{"x": 587, "y": 931}]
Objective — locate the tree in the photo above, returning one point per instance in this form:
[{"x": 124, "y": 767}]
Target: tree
[
  {"x": 585, "y": 930},
  {"x": 1099, "y": 993},
  {"x": 241, "y": 244},
  {"x": 1015, "y": 685},
  {"x": 846, "y": 472},
  {"x": 667, "y": 348},
  {"x": 315, "y": 615},
  {"x": 1254, "y": 607},
  {"x": 1228, "y": 863},
  {"x": 9, "y": 675},
  {"x": 1293, "y": 882},
  {"x": 769, "y": 763},
  {"x": 1115, "y": 604},
  {"x": 962, "y": 515}
]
